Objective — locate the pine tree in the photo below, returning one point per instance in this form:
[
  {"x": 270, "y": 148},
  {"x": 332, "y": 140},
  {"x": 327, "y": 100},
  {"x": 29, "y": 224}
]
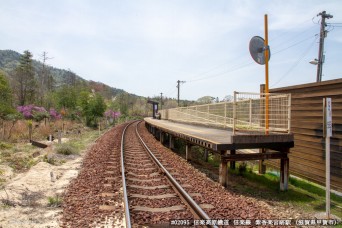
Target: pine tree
[
  {"x": 24, "y": 83},
  {"x": 5, "y": 97}
]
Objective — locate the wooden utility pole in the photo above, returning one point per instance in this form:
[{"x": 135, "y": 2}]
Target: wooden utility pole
[
  {"x": 161, "y": 101},
  {"x": 322, "y": 35},
  {"x": 178, "y": 86}
]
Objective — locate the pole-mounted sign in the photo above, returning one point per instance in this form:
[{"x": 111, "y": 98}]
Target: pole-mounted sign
[{"x": 327, "y": 131}]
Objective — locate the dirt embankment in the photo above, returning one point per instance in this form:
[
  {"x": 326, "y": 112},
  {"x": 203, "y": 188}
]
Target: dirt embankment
[{"x": 34, "y": 198}]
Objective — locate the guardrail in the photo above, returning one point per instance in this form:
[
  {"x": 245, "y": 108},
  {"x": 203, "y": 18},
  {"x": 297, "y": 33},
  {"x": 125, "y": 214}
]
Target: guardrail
[{"x": 251, "y": 112}]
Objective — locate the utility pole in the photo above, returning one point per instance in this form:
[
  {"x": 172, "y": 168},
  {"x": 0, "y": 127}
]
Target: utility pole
[
  {"x": 161, "y": 101},
  {"x": 322, "y": 35},
  {"x": 178, "y": 86}
]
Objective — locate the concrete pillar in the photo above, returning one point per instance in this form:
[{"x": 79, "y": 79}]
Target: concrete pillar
[
  {"x": 206, "y": 152},
  {"x": 223, "y": 171},
  {"x": 284, "y": 174},
  {"x": 161, "y": 136},
  {"x": 232, "y": 163},
  {"x": 188, "y": 152},
  {"x": 262, "y": 166},
  {"x": 171, "y": 142}
]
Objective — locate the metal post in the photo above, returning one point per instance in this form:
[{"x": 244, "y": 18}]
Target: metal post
[
  {"x": 327, "y": 113},
  {"x": 289, "y": 114},
  {"x": 266, "y": 74},
  {"x": 225, "y": 114},
  {"x": 250, "y": 112}
]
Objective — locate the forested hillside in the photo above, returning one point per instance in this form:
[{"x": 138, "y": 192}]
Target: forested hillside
[{"x": 9, "y": 60}]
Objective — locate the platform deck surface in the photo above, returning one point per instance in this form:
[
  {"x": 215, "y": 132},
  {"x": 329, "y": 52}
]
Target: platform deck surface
[{"x": 219, "y": 139}]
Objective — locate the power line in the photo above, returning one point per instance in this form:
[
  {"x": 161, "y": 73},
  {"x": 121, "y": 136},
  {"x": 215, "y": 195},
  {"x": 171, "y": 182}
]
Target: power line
[
  {"x": 297, "y": 62},
  {"x": 286, "y": 41},
  {"x": 295, "y": 44},
  {"x": 224, "y": 72},
  {"x": 288, "y": 31},
  {"x": 214, "y": 68}
]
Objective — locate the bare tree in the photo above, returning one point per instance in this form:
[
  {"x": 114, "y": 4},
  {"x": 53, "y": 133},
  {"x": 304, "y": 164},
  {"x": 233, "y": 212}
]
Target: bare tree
[{"x": 45, "y": 79}]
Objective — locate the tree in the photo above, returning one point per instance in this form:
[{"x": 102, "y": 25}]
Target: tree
[
  {"x": 5, "y": 97},
  {"x": 93, "y": 107},
  {"x": 206, "y": 100},
  {"x": 45, "y": 79},
  {"x": 24, "y": 83},
  {"x": 66, "y": 97}
]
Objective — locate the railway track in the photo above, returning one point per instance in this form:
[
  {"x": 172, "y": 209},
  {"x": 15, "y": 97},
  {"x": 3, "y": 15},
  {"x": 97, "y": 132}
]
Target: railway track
[{"x": 151, "y": 194}]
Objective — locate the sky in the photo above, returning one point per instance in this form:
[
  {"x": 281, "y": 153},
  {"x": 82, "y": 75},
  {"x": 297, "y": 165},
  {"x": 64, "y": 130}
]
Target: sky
[{"x": 145, "y": 46}]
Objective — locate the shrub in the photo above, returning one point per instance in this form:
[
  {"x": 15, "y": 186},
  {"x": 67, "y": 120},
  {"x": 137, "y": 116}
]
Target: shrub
[
  {"x": 54, "y": 201},
  {"x": 21, "y": 162},
  {"x": 4, "y": 146},
  {"x": 66, "y": 149},
  {"x": 242, "y": 167}
]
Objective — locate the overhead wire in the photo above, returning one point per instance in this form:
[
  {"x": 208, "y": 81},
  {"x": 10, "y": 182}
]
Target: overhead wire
[
  {"x": 283, "y": 33},
  {"x": 295, "y": 44},
  {"x": 214, "y": 68},
  {"x": 297, "y": 62},
  {"x": 240, "y": 66},
  {"x": 245, "y": 64}
]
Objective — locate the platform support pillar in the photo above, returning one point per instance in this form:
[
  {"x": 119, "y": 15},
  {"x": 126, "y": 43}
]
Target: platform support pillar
[
  {"x": 262, "y": 166},
  {"x": 161, "y": 137},
  {"x": 206, "y": 152},
  {"x": 188, "y": 152},
  {"x": 171, "y": 142},
  {"x": 232, "y": 163},
  {"x": 284, "y": 174},
  {"x": 223, "y": 172}
]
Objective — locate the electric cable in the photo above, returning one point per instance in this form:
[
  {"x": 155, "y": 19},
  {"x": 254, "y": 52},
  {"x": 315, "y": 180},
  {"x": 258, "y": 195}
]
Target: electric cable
[{"x": 297, "y": 62}]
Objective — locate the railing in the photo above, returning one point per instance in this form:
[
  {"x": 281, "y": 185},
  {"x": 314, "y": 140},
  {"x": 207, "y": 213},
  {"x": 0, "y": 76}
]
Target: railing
[{"x": 247, "y": 112}]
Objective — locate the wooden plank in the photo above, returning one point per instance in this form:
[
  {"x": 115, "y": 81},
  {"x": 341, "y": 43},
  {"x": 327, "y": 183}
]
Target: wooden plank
[
  {"x": 308, "y": 156},
  {"x": 308, "y": 85},
  {"x": 254, "y": 156},
  {"x": 335, "y": 181},
  {"x": 38, "y": 144}
]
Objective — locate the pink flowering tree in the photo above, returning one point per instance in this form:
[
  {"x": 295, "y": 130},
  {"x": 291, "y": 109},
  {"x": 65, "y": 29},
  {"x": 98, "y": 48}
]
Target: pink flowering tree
[
  {"x": 111, "y": 115},
  {"x": 33, "y": 112},
  {"x": 54, "y": 115}
]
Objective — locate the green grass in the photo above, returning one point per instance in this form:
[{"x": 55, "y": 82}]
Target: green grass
[
  {"x": 55, "y": 201},
  {"x": 301, "y": 193},
  {"x": 66, "y": 149},
  {"x": 4, "y": 146}
]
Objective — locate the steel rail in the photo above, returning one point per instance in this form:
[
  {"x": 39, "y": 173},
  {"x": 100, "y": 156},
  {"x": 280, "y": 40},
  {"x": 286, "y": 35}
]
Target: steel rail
[
  {"x": 194, "y": 206},
  {"x": 125, "y": 197}
]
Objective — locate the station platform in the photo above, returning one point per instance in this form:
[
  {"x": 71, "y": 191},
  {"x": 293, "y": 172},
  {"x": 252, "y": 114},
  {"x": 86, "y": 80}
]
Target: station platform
[
  {"x": 227, "y": 145},
  {"x": 222, "y": 139}
]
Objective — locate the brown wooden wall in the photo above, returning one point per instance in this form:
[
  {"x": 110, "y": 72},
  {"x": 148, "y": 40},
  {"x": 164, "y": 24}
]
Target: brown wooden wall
[{"x": 307, "y": 158}]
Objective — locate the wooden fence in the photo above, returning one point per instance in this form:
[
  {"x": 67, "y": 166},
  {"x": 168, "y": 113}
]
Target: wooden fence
[{"x": 307, "y": 158}]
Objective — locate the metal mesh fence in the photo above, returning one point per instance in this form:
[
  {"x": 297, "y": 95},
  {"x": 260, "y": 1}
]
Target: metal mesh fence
[{"x": 247, "y": 112}]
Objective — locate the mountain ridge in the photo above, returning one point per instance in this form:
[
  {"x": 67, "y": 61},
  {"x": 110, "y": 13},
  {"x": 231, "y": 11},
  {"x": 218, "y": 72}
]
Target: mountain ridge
[{"x": 9, "y": 60}]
